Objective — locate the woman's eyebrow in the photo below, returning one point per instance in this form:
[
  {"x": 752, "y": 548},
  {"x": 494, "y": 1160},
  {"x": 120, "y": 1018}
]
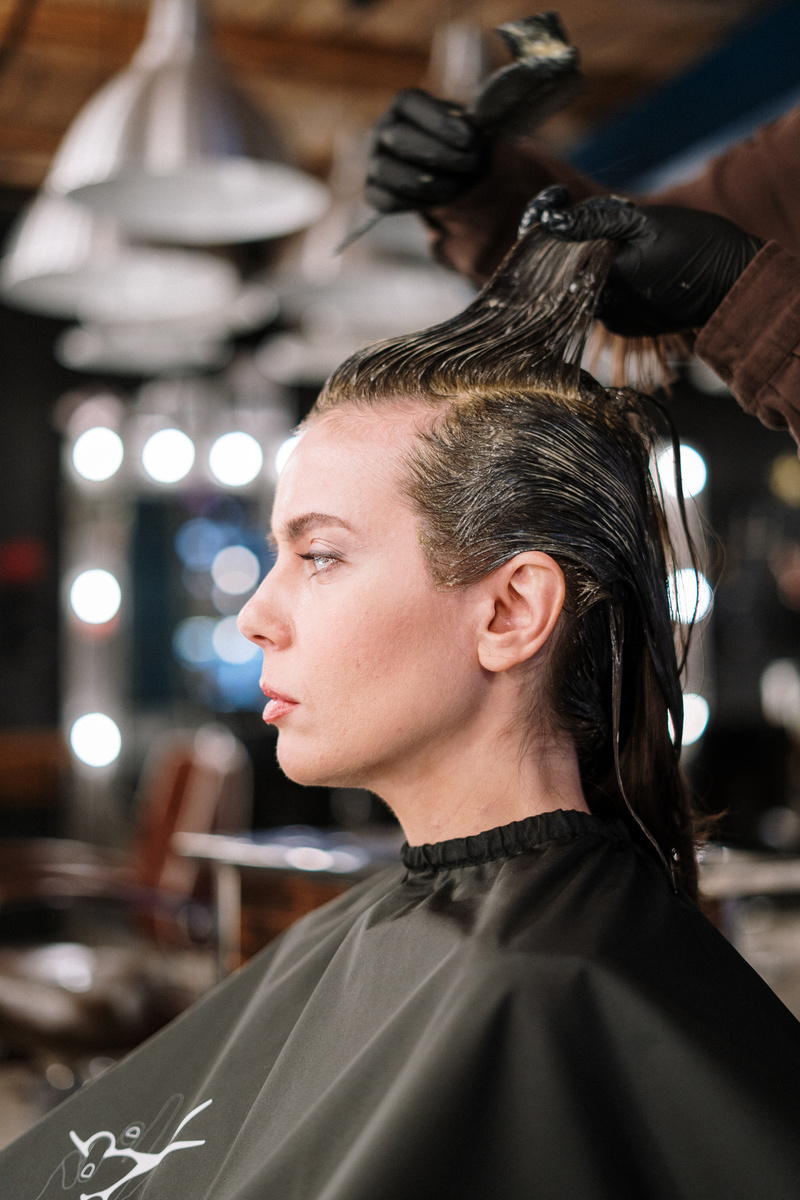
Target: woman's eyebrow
[{"x": 295, "y": 527}]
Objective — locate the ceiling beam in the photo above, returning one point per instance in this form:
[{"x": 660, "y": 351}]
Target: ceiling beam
[{"x": 110, "y": 34}]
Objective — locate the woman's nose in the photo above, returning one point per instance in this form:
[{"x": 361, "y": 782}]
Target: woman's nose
[{"x": 260, "y": 619}]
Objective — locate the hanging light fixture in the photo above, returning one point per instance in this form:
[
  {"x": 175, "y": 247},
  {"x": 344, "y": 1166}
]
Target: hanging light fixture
[
  {"x": 136, "y": 348},
  {"x": 198, "y": 341},
  {"x": 63, "y": 261},
  {"x": 173, "y": 152}
]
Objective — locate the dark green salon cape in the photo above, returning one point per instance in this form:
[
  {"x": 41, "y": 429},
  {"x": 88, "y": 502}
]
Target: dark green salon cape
[{"x": 527, "y": 1013}]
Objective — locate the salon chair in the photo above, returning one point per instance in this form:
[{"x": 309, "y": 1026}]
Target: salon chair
[{"x": 73, "y": 1000}]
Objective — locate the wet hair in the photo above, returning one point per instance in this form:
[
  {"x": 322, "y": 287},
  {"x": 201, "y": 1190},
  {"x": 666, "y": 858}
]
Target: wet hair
[{"x": 525, "y": 451}]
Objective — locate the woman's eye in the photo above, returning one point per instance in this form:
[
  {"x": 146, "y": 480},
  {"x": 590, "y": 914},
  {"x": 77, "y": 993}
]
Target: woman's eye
[{"x": 322, "y": 562}]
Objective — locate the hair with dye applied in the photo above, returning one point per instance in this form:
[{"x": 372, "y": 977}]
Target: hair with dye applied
[{"x": 525, "y": 451}]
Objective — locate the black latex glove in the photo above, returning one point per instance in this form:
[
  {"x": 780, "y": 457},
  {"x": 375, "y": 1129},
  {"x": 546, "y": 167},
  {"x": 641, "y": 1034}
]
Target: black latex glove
[
  {"x": 674, "y": 267},
  {"x": 424, "y": 152}
]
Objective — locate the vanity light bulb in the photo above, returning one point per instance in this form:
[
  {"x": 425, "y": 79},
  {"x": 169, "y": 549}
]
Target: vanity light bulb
[
  {"x": 690, "y": 596},
  {"x": 235, "y": 459},
  {"x": 95, "y": 597},
  {"x": 97, "y": 453},
  {"x": 284, "y": 452},
  {"x": 693, "y": 471},
  {"x": 695, "y": 717},
  {"x": 168, "y": 456},
  {"x": 95, "y": 739}
]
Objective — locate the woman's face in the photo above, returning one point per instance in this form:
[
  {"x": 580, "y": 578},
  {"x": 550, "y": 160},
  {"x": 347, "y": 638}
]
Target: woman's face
[{"x": 373, "y": 669}]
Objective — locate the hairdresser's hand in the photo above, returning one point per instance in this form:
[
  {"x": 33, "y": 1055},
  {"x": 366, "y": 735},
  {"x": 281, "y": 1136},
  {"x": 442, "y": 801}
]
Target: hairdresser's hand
[
  {"x": 424, "y": 152},
  {"x": 674, "y": 267}
]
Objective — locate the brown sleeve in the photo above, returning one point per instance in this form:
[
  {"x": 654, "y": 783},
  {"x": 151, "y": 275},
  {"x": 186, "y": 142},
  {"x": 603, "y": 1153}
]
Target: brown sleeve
[
  {"x": 474, "y": 232},
  {"x": 753, "y": 339},
  {"x": 756, "y": 184}
]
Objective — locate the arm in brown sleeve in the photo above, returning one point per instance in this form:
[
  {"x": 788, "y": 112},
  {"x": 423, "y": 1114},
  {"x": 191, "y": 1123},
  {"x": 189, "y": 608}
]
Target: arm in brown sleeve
[
  {"x": 753, "y": 339},
  {"x": 755, "y": 184}
]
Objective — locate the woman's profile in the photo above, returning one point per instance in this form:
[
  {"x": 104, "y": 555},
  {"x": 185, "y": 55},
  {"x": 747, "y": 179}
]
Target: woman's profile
[{"x": 468, "y": 615}]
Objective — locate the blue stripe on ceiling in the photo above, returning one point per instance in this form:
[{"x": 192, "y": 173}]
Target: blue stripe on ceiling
[{"x": 748, "y": 73}]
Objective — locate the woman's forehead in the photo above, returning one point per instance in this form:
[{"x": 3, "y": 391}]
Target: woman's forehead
[{"x": 347, "y": 461}]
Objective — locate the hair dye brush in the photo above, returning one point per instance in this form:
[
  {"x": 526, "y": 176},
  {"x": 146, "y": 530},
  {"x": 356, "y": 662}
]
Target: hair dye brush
[
  {"x": 542, "y": 79},
  {"x": 513, "y": 101}
]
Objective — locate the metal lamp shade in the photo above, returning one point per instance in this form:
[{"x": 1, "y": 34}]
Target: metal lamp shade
[
  {"x": 171, "y": 150},
  {"x": 153, "y": 347},
  {"x": 138, "y": 349},
  {"x": 63, "y": 261},
  {"x": 368, "y": 301}
]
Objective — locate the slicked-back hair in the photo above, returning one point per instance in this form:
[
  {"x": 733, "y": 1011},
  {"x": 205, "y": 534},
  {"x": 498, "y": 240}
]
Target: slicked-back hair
[{"x": 525, "y": 451}]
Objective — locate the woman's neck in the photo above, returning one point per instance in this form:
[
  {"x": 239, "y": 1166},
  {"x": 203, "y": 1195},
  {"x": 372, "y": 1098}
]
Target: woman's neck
[{"x": 477, "y": 784}]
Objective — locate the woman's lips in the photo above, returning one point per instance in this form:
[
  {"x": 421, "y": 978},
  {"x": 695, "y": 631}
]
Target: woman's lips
[{"x": 278, "y": 705}]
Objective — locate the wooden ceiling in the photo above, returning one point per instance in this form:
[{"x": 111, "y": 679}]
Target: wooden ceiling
[{"x": 323, "y": 66}]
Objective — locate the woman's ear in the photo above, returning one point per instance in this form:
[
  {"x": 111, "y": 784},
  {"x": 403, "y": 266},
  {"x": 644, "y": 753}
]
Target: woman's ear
[{"x": 523, "y": 600}]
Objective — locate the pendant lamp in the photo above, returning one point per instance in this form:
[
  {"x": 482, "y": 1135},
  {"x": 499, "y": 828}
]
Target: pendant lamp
[
  {"x": 135, "y": 349},
  {"x": 372, "y": 301},
  {"x": 156, "y": 347},
  {"x": 173, "y": 152},
  {"x": 63, "y": 261}
]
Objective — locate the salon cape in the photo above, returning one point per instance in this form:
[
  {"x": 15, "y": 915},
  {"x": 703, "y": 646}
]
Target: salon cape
[{"x": 530, "y": 1012}]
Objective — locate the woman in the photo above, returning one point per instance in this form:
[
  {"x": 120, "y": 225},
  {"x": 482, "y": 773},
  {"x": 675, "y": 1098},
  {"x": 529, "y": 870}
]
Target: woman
[{"x": 468, "y": 615}]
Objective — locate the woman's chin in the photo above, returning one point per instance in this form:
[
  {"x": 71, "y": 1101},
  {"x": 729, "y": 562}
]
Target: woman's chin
[{"x": 312, "y": 770}]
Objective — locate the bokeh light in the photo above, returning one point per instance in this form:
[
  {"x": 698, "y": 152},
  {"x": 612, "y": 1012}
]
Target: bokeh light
[
  {"x": 95, "y": 596},
  {"x": 780, "y": 693},
  {"x": 235, "y": 570},
  {"x": 193, "y": 641},
  {"x": 95, "y": 739},
  {"x": 695, "y": 717},
  {"x": 690, "y": 596},
  {"x": 309, "y": 858},
  {"x": 693, "y": 471},
  {"x": 168, "y": 455},
  {"x": 784, "y": 479},
  {"x": 231, "y": 645},
  {"x": 284, "y": 451},
  {"x": 235, "y": 459},
  {"x": 98, "y": 453},
  {"x": 779, "y": 827},
  {"x": 199, "y": 541}
]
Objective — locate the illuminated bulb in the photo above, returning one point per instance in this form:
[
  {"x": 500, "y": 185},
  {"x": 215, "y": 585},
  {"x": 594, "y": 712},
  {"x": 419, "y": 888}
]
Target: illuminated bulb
[
  {"x": 284, "y": 451},
  {"x": 168, "y": 455},
  {"x": 693, "y": 471},
  {"x": 695, "y": 717},
  {"x": 95, "y": 597},
  {"x": 231, "y": 645},
  {"x": 193, "y": 641},
  {"x": 95, "y": 739},
  {"x": 97, "y": 453},
  {"x": 235, "y": 570},
  {"x": 780, "y": 693},
  {"x": 235, "y": 459},
  {"x": 690, "y": 596}
]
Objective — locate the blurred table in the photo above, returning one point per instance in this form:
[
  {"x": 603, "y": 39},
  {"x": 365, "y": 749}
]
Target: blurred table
[
  {"x": 302, "y": 868},
  {"x": 727, "y": 874}
]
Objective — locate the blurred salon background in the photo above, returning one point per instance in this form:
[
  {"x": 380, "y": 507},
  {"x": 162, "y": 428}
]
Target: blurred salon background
[{"x": 174, "y": 184}]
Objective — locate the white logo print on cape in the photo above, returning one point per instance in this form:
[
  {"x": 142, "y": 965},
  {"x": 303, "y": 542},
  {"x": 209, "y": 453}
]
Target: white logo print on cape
[{"x": 100, "y": 1150}]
